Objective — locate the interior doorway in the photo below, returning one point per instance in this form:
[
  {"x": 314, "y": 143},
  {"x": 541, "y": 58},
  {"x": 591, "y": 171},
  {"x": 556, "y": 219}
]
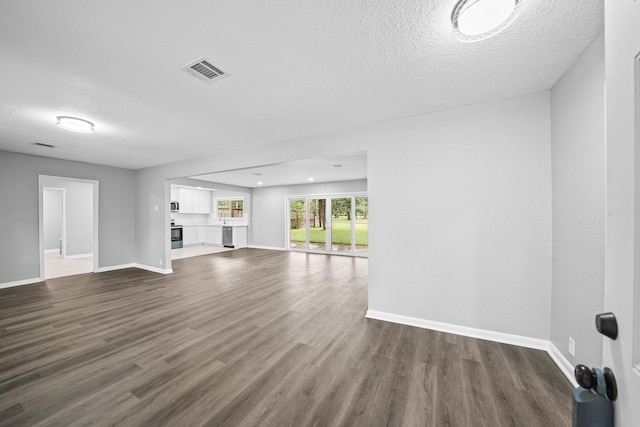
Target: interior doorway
[{"x": 68, "y": 218}]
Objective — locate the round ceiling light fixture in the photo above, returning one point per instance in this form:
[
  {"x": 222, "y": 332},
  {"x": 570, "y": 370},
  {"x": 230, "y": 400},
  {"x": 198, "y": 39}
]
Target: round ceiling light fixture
[
  {"x": 75, "y": 124},
  {"x": 475, "y": 20}
]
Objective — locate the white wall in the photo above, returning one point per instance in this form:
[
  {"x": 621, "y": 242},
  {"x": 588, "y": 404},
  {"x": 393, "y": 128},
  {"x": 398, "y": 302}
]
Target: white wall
[
  {"x": 268, "y": 220},
  {"x": 52, "y": 218},
  {"x": 460, "y": 227},
  {"x": 19, "y": 251},
  {"x": 79, "y": 215},
  {"x": 578, "y": 182},
  {"x": 476, "y": 248}
]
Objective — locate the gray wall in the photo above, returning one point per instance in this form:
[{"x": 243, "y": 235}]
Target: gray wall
[
  {"x": 268, "y": 221},
  {"x": 19, "y": 251},
  {"x": 474, "y": 249},
  {"x": 52, "y": 218},
  {"x": 579, "y": 183}
]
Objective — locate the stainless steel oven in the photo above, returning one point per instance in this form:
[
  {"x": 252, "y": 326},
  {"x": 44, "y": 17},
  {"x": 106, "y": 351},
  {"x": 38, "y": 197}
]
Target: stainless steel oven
[{"x": 176, "y": 236}]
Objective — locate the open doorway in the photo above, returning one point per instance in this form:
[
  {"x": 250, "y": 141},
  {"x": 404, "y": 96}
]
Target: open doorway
[{"x": 68, "y": 218}]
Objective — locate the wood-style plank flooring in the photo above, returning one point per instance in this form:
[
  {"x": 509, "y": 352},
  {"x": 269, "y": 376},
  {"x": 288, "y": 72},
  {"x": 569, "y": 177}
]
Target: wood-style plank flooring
[{"x": 252, "y": 338}]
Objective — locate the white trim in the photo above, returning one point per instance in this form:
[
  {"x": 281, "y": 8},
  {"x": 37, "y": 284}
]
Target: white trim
[
  {"x": 78, "y": 256},
  {"x": 538, "y": 344},
  {"x": 466, "y": 331},
  {"x": 270, "y": 248},
  {"x": 51, "y": 251},
  {"x": 563, "y": 363},
  {"x": 96, "y": 219},
  {"x": 153, "y": 269},
  {"x": 20, "y": 283},
  {"x": 115, "y": 267}
]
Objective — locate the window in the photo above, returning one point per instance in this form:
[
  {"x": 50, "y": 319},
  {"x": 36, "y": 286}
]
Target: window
[{"x": 230, "y": 207}]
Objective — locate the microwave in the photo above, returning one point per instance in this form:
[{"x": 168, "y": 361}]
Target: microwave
[{"x": 175, "y": 207}]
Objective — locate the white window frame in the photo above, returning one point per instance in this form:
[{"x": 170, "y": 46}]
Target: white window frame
[{"x": 230, "y": 199}]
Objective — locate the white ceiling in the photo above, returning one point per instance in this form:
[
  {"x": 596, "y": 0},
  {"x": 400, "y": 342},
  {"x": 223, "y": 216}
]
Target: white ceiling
[
  {"x": 298, "y": 67},
  {"x": 327, "y": 169}
]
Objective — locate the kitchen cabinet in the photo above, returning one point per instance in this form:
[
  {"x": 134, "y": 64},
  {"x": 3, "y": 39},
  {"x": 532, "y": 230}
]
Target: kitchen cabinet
[
  {"x": 189, "y": 235},
  {"x": 240, "y": 237},
  {"x": 201, "y": 233},
  {"x": 174, "y": 193},
  {"x": 213, "y": 235},
  {"x": 202, "y": 202},
  {"x": 194, "y": 201}
]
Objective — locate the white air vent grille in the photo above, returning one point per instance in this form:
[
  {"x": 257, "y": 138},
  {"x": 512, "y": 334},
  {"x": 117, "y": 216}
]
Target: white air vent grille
[{"x": 204, "y": 70}]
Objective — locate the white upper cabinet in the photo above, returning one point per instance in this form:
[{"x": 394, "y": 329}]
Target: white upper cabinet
[
  {"x": 201, "y": 201},
  {"x": 194, "y": 201}
]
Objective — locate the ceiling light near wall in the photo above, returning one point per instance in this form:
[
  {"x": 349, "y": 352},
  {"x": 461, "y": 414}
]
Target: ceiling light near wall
[
  {"x": 74, "y": 124},
  {"x": 475, "y": 20}
]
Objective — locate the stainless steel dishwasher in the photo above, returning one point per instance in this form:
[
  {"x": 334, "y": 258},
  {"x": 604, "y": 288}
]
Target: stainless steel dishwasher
[{"x": 227, "y": 237}]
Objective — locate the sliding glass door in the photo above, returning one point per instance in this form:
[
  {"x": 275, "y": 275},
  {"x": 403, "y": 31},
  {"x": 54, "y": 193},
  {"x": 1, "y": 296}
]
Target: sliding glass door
[
  {"x": 331, "y": 224},
  {"x": 297, "y": 223},
  {"x": 341, "y": 226}
]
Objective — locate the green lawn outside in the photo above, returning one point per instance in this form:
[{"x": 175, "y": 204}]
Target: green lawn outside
[{"x": 341, "y": 231}]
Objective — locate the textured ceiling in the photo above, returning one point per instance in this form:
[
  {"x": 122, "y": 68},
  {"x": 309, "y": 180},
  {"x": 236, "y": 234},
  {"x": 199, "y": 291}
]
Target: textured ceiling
[{"x": 298, "y": 67}]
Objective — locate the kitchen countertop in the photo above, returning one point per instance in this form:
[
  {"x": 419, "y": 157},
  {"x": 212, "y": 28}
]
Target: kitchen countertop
[{"x": 215, "y": 225}]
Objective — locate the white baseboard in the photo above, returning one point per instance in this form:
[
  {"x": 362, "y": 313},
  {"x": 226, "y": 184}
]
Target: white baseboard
[
  {"x": 19, "y": 283},
  {"x": 99, "y": 270},
  {"x": 51, "y": 251},
  {"x": 114, "y": 267},
  {"x": 153, "y": 269},
  {"x": 271, "y": 248},
  {"x": 78, "y": 256},
  {"x": 563, "y": 363},
  {"x": 522, "y": 341},
  {"x": 482, "y": 334}
]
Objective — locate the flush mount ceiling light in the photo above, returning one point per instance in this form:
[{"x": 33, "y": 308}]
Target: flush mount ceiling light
[
  {"x": 74, "y": 124},
  {"x": 475, "y": 20}
]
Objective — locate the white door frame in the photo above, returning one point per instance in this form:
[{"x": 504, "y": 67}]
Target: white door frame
[
  {"x": 96, "y": 199},
  {"x": 622, "y": 249}
]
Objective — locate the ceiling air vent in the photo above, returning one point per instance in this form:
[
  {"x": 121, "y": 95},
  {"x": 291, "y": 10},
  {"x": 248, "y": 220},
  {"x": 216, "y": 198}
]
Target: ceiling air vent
[{"x": 204, "y": 70}]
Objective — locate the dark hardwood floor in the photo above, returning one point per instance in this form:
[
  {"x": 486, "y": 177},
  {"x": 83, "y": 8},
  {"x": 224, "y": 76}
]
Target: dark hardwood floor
[{"x": 252, "y": 338}]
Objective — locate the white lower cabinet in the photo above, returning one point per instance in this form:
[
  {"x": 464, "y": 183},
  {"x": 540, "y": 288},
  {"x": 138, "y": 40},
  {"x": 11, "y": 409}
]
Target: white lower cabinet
[
  {"x": 201, "y": 233},
  {"x": 213, "y": 235},
  {"x": 240, "y": 237},
  {"x": 189, "y": 235}
]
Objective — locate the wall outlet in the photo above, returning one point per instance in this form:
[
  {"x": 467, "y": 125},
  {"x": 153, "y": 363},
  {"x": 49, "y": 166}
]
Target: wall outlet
[
  {"x": 160, "y": 261},
  {"x": 572, "y": 347}
]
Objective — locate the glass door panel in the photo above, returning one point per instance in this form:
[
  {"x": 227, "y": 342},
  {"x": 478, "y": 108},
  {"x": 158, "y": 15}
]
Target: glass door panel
[
  {"x": 362, "y": 225},
  {"x": 317, "y": 224},
  {"x": 298, "y": 224},
  {"x": 341, "y": 224}
]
